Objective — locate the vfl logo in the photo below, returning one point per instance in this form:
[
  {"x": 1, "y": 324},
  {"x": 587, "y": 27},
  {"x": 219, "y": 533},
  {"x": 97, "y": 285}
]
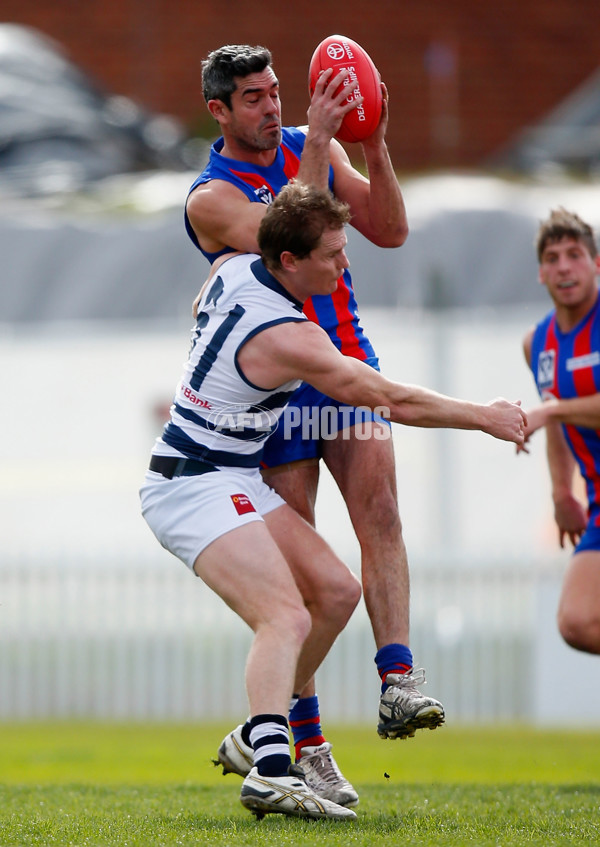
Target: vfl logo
[
  {"x": 263, "y": 195},
  {"x": 545, "y": 374},
  {"x": 242, "y": 504}
]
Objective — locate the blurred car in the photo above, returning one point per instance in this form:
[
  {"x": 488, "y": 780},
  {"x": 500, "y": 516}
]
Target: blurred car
[{"x": 59, "y": 130}]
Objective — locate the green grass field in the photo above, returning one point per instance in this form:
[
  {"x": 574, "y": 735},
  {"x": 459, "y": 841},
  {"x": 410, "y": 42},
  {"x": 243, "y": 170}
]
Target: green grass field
[{"x": 130, "y": 785}]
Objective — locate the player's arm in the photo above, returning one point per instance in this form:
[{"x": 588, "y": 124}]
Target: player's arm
[
  {"x": 304, "y": 351},
  {"x": 325, "y": 115},
  {"x": 222, "y": 216},
  {"x": 569, "y": 513},
  {"x": 578, "y": 411},
  {"x": 377, "y": 204},
  {"x": 378, "y": 210}
]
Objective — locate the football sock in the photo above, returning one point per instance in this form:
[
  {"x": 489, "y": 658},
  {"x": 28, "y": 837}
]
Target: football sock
[
  {"x": 305, "y": 722},
  {"x": 246, "y": 733},
  {"x": 270, "y": 738},
  {"x": 393, "y": 658}
]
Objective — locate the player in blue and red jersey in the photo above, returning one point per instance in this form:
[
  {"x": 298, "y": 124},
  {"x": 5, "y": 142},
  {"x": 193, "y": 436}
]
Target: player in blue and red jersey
[
  {"x": 248, "y": 166},
  {"x": 563, "y": 351},
  {"x": 336, "y": 314}
]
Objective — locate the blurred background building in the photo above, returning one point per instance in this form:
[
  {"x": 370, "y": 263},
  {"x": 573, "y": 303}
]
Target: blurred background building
[
  {"x": 464, "y": 77},
  {"x": 495, "y": 119}
]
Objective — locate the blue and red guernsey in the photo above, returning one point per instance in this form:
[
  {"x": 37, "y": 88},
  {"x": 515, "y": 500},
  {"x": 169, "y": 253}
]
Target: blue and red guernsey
[
  {"x": 337, "y": 313},
  {"x": 566, "y": 365}
]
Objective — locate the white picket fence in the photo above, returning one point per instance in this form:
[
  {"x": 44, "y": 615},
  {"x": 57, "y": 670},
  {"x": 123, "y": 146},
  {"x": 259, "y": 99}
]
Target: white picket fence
[{"x": 153, "y": 643}]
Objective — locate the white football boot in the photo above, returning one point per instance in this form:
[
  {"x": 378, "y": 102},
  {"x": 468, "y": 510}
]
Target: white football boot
[
  {"x": 324, "y": 777},
  {"x": 234, "y": 754},
  {"x": 288, "y": 795},
  {"x": 403, "y": 709},
  {"x": 321, "y": 772}
]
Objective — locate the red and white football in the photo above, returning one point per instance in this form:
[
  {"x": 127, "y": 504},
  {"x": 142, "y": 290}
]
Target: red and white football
[{"x": 337, "y": 52}]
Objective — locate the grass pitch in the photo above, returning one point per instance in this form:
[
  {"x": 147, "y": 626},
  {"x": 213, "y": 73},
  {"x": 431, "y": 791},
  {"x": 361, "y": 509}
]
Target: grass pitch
[{"x": 130, "y": 785}]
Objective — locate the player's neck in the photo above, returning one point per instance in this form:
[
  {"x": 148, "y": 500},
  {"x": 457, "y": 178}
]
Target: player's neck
[
  {"x": 568, "y": 317},
  {"x": 286, "y": 281},
  {"x": 241, "y": 153}
]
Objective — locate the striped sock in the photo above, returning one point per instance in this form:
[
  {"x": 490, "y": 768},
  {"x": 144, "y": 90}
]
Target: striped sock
[
  {"x": 270, "y": 739},
  {"x": 246, "y": 733},
  {"x": 393, "y": 658},
  {"x": 305, "y": 722}
]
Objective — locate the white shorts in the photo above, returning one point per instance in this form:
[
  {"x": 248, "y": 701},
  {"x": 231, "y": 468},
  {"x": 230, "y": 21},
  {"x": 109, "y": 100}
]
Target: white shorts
[{"x": 187, "y": 513}]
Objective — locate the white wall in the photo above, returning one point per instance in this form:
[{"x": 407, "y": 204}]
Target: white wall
[{"x": 79, "y": 419}]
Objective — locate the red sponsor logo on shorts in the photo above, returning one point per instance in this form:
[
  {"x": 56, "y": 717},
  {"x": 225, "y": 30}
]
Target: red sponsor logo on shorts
[{"x": 242, "y": 504}]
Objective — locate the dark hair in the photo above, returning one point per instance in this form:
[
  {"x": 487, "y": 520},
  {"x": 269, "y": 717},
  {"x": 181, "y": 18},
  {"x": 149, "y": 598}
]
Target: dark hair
[
  {"x": 562, "y": 224},
  {"x": 297, "y": 219},
  {"x": 221, "y": 67}
]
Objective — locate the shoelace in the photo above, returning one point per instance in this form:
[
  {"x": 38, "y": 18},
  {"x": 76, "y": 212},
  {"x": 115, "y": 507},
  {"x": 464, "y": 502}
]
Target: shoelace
[
  {"x": 328, "y": 772},
  {"x": 410, "y": 680}
]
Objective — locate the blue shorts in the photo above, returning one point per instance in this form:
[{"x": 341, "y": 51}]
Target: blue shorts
[
  {"x": 309, "y": 419},
  {"x": 590, "y": 540}
]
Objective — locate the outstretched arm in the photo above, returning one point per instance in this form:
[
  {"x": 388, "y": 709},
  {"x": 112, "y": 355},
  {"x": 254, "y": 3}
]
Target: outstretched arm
[
  {"x": 578, "y": 411},
  {"x": 304, "y": 351}
]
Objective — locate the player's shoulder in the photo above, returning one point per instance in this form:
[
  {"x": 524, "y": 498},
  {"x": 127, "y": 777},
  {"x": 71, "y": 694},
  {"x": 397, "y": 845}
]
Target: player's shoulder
[
  {"x": 208, "y": 197},
  {"x": 527, "y": 342},
  {"x": 297, "y": 337},
  {"x": 294, "y": 136},
  {"x": 230, "y": 282},
  {"x": 535, "y": 334},
  {"x": 236, "y": 264},
  {"x": 544, "y": 321}
]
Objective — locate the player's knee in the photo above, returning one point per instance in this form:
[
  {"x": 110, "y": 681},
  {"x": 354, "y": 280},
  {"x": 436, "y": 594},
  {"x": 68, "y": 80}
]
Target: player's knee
[
  {"x": 297, "y": 622},
  {"x": 352, "y": 593},
  {"x": 341, "y": 599},
  {"x": 580, "y": 631}
]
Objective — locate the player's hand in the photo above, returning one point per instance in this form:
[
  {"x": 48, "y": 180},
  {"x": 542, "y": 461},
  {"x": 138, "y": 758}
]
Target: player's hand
[
  {"x": 328, "y": 106},
  {"x": 508, "y": 420},
  {"x": 524, "y": 447},
  {"x": 378, "y": 136},
  {"x": 571, "y": 519},
  {"x": 536, "y": 419}
]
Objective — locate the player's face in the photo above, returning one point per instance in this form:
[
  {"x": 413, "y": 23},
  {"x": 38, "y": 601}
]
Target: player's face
[
  {"x": 319, "y": 272},
  {"x": 254, "y": 120},
  {"x": 569, "y": 273}
]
